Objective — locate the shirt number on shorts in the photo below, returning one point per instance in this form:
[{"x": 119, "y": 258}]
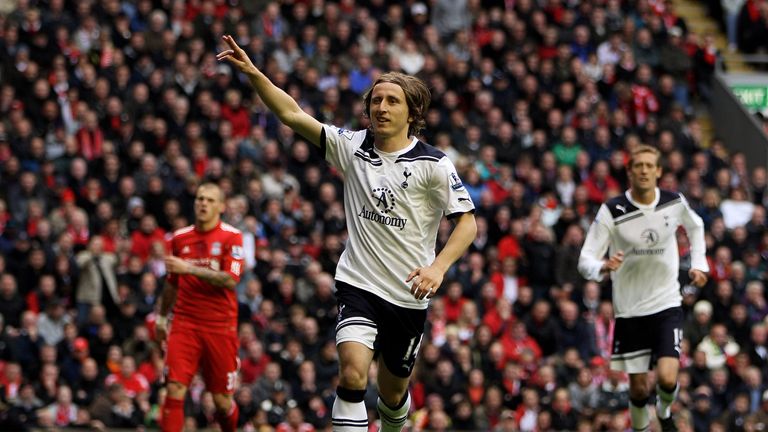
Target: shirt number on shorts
[
  {"x": 231, "y": 378},
  {"x": 412, "y": 347},
  {"x": 678, "y": 333}
]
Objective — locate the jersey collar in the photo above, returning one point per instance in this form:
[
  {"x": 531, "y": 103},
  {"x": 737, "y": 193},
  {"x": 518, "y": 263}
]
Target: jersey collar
[
  {"x": 403, "y": 150},
  {"x": 652, "y": 205},
  {"x": 199, "y": 231}
]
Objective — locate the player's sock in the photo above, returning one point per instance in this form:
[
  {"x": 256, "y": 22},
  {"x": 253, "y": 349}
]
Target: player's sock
[
  {"x": 349, "y": 413},
  {"x": 228, "y": 422},
  {"x": 393, "y": 419},
  {"x": 638, "y": 413},
  {"x": 173, "y": 415},
  {"x": 664, "y": 401}
]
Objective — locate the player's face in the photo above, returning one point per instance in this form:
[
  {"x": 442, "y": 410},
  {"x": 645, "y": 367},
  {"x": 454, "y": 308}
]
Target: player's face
[
  {"x": 208, "y": 204},
  {"x": 644, "y": 171},
  {"x": 389, "y": 110}
]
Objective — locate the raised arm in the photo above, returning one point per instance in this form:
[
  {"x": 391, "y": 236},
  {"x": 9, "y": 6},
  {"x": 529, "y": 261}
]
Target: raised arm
[{"x": 278, "y": 101}]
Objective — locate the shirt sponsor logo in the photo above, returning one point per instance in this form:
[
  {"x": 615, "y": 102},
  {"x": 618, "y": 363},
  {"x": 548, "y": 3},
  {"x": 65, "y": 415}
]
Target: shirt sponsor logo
[
  {"x": 371, "y": 215},
  {"x": 650, "y": 236},
  {"x": 385, "y": 199},
  {"x": 637, "y": 251}
]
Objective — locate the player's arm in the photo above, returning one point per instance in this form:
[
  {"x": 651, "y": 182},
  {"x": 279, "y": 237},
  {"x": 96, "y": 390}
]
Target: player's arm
[
  {"x": 167, "y": 300},
  {"x": 592, "y": 264},
  {"x": 428, "y": 279},
  {"x": 178, "y": 266},
  {"x": 694, "y": 228},
  {"x": 462, "y": 236},
  {"x": 277, "y": 100}
]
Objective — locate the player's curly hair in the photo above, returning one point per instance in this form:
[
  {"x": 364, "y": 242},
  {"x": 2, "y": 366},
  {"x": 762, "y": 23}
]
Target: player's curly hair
[{"x": 417, "y": 97}]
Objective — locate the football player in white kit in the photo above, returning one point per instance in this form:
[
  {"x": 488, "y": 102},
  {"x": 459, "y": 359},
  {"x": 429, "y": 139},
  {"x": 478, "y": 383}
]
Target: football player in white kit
[
  {"x": 396, "y": 191},
  {"x": 639, "y": 231}
]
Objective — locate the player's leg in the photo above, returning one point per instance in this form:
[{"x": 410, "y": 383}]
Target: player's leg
[
  {"x": 394, "y": 399},
  {"x": 670, "y": 333},
  {"x": 181, "y": 362},
  {"x": 220, "y": 364},
  {"x": 349, "y": 413},
  {"x": 400, "y": 338},
  {"x": 632, "y": 354},
  {"x": 666, "y": 389},
  {"x": 356, "y": 332},
  {"x": 639, "y": 394}
]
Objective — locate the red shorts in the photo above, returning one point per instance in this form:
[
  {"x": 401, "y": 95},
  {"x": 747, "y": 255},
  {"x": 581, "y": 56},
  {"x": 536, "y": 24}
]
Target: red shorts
[{"x": 215, "y": 354}]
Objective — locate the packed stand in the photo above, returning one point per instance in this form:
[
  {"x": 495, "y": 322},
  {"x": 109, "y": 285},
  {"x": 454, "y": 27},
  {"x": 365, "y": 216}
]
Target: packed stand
[{"x": 113, "y": 112}]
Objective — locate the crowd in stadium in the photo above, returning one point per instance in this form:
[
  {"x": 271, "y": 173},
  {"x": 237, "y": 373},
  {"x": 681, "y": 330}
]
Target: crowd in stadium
[{"x": 112, "y": 112}]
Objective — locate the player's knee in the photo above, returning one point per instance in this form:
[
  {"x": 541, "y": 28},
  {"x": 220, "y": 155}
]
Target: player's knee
[
  {"x": 176, "y": 390},
  {"x": 352, "y": 377},
  {"x": 667, "y": 381},
  {"x": 639, "y": 393}
]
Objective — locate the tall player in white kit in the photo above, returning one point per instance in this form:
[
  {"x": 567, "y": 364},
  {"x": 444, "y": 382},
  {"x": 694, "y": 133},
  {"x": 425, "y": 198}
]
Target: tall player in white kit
[
  {"x": 396, "y": 191},
  {"x": 639, "y": 231}
]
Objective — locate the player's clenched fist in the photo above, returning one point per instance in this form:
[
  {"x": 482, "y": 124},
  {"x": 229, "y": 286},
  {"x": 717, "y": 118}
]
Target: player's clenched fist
[
  {"x": 161, "y": 329},
  {"x": 698, "y": 277},
  {"x": 614, "y": 262},
  {"x": 174, "y": 264}
]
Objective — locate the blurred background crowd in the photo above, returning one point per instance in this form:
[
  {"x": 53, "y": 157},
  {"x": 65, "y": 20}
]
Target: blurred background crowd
[{"x": 112, "y": 112}]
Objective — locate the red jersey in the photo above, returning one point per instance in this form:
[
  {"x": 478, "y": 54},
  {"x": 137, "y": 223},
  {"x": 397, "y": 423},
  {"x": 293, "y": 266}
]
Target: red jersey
[
  {"x": 199, "y": 304},
  {"x": 133, "y": 385}
]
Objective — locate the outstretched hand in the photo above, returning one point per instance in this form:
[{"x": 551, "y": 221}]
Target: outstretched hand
[{"x": 236, "y": 56}]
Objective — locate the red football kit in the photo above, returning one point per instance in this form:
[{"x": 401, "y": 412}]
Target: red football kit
[{"x": 204, "y": 330}]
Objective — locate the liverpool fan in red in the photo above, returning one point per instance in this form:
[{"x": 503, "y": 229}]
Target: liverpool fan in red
[{"x": 204, "y": 268}]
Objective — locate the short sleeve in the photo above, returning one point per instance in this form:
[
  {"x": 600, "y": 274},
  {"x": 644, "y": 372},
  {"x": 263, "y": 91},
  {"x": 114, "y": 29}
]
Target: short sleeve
[
  {"x": 233, "y": 261},
  {"x": 449, "y": 193},
  {"x": 339, "y": 145}
]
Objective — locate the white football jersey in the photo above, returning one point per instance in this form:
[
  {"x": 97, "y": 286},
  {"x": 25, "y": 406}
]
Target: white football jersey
[
  {"x": 647, "y": 281},
  {"x": 393, "y": 204}
]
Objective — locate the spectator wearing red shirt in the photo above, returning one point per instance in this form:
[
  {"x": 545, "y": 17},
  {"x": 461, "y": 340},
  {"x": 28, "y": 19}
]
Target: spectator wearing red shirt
[
  {"x": 507, "y": 281},
  {"x": 90, "y": 138},
  {"x": 11, "y": 382},
  {"x": 600, "y": 183},
  {"x": 509, "y": 247},
  {"x": 517, "y": 340},
  {"x": 233, "y": 111},
  {"x": 253, "y": 365},
  {"x": 644, "y": 101},
  {"x": 142, "y": 239},
  {"x": 499, "y": 317},
  {"x": 453, "y": 301},
  {"x": 132, "y": 381}
]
